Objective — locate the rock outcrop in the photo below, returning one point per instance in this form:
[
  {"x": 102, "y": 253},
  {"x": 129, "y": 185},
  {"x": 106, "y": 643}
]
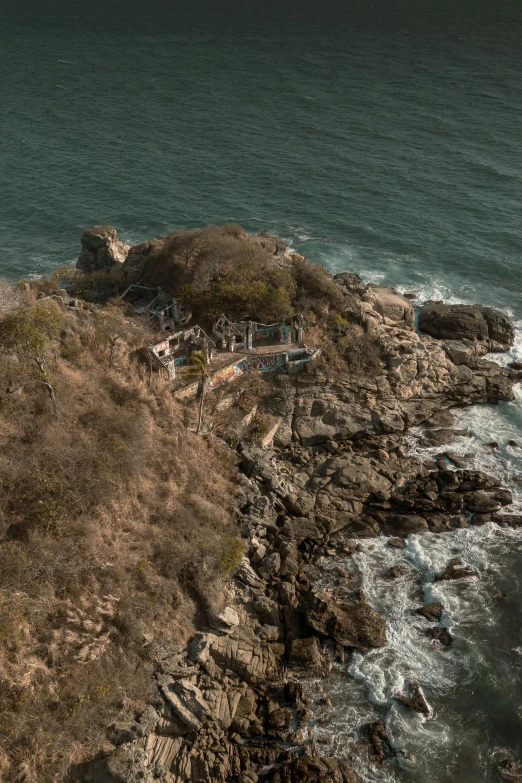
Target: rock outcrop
[
  {"x": 475, "y": 323},
  {"x": 350, "y": 623},
  {"x": 391, "y": 305},
  {"x": 315, "y": 770},
  {"x": 102, "y": 251},
  {"x": 414, "y": 699},
  {"x": 432, "y": 612},
  {"x": 336, "y": 473},
  {"x": 416, "y": 378}
]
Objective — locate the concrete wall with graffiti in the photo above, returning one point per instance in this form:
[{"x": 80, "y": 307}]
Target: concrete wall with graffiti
[
  {"x": 268, "y": 362},
  {"x": 289, "y": 361}
]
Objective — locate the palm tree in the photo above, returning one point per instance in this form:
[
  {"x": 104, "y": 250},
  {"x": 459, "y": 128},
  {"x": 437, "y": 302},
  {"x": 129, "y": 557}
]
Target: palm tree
[{"x": 199, "y": 369}]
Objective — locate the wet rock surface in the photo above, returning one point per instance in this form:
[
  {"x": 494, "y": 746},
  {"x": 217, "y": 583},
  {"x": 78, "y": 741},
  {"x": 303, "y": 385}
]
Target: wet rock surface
[
  {"x": 432, "y": 612},
  {"x": 511, "y": 770},
  {"x": 379, "y": 741},
  {"x": 315, "y": 770},
  {"x": 414, "y": 699},
  {"x": 456, "y": 569},
  {"x": 351, "y": 623}
]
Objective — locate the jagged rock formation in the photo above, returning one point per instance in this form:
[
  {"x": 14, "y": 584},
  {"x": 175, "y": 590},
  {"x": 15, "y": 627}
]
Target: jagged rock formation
[
  {"x": 351, "y": 623},
  {"x": 391, "y": 305},
  {"x": 102, "y": 251},
  {"x": 313, "y": 770},
  {"x": 475, "y": 323}
]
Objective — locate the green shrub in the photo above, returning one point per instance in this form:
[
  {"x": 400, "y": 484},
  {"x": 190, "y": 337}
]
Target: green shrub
[
  {"x": 232, "y": 553},
  {"x": 241, "y": 299}
]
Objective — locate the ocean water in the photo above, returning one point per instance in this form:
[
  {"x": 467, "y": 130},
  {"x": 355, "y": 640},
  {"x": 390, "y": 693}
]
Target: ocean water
[{"x": 379, "y": 136}]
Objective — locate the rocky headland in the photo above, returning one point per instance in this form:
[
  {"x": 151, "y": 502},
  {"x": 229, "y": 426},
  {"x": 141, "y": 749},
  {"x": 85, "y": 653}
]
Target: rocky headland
[{"x": 231, "y": 705}]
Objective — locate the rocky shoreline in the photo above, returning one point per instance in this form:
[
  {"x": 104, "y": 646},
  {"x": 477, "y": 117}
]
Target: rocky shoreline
[{"x": 231, "y": 706}]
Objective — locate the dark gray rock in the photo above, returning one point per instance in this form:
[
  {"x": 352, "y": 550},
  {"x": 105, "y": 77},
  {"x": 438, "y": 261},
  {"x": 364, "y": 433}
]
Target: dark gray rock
[
  {"x": 432, "y": 612},
  {"x": 510, "y": 520},
  {"x": 351, "y": 623},
  {"x": 405, "y": 524},
  {"x": 312, "y": 769},
  {"x": 300, "y": 528},
  {"x": 269, "y": 565},
  {"x": 306, "y": 653},
  {"x": 456, "y": 569},
  {"x": 396, "y": 571},
  {"x": 442, "y": 635},
  {"x": 414, "y": 699},
  {"x": 468, "y": 322},
  {"x": 351, "y": 282},
  {"x": 379, "y": 740},
  {"x": 481, "y": 502}
]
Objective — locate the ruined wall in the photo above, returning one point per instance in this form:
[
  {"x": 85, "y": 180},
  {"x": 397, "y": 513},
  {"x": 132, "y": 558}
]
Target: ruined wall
[{"x": 269, "y": 362}]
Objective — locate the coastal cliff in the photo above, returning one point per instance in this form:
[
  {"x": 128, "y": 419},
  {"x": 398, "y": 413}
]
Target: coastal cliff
[{"x": 290, "y": 468}]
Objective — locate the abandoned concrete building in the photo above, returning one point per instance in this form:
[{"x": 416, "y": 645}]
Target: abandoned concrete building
[
  {"x": 157, "y": 305},
  {"x": 175, "y": 351},
  {"x": 245, "y": 335},
  {"x": 236, "y": 348}
]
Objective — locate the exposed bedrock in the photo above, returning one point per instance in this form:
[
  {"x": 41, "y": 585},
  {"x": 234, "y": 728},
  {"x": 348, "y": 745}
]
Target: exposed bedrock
[
  {"x": 391, "y": 305},
  {"x": 415, "y": 378},
  {"x": 102, "y": 251},
  {"x": 510, "y": 770},
  {"x": 315, "y": 770},
  {"x": 229, "y": 708},
  {"x": 351, "y": 623},
  {"x": 479, "y": 324}
]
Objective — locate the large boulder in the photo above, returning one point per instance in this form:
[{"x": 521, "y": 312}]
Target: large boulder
[
  {"x": 432, "y": 612},
  {"x": 306, "y": 653},
  {"x": 300, "y": 528},
  {"x": 404, "y": 524},
  {"x": 391, "y": 305},
  {"x": 414, "y": 699},
  {"x": 456, "y": 569},
  {"x": 102, "y": 251},
  {"x": 351, "y": 282},
  {"x": 185, "y": 700},
  {"x": 350, "y": 623},
  {"x": 468, "y": 322}
]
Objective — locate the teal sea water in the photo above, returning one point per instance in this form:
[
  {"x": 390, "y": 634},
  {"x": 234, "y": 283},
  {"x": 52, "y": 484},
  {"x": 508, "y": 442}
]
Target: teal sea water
[{"x": 378, "y": 136}]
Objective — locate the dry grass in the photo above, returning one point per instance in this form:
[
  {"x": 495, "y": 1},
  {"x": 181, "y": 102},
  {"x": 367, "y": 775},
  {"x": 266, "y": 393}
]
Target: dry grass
[
  {"x": 223, "y": 269},
  {"x": 361, "y": 351},
  {"x": 10, "y": 298},
  {"x": 115, "y": 521}
]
